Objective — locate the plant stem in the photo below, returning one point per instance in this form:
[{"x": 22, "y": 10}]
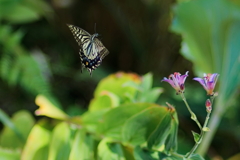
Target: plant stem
[
  {"x": 213, "y": 124},
  {"x": 200, "y": 137},
  {"x": 193, "y": 116}
]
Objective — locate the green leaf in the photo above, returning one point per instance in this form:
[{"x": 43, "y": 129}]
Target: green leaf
[
  {"x": 13, "y": 39},
  {"x": 83, "y": 146},
  {"x": 216, "y": 48},
  {"x": 60, "y": 143},
  {"x": 103, "y": 101},
  {"x": 147, "y": 82},
  {"x": 171, "y": 143},
  {"x": 46, "y": 108},
  {"x": 110, "y": 150},
  {"x": 21, "y": 14},
  {"x": 144, "y": 154},
  {"x": 91, "y": 120},
  {"x": 37, "y": 144},
  {"x": 16, "y": 130},
  {"x": 112, "y": 122},
  {"x": 159, "y": 136},
  {"x": 7, "y": 154},
  {"x": 150, "y": 96},
  {"x": 140, "y": 126},
  {"x": 115, "y": 84},
  {"x": 146, "y": 92},
  {"x": 196, "y": 136}
]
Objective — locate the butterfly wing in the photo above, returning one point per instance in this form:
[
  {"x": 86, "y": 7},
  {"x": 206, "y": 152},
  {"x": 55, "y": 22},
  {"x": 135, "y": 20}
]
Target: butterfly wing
[
  {"x": 102, "y": 50},
  {"x": 82, "y": 37},
  {"x": 92, "y": 50}
]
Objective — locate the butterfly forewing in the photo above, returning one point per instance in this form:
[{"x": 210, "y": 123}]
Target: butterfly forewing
[{"x": 92, "y": 51}]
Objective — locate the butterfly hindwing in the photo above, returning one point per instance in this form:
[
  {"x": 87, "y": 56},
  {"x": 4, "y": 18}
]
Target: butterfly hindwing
[{"x": 92, "y": 51}]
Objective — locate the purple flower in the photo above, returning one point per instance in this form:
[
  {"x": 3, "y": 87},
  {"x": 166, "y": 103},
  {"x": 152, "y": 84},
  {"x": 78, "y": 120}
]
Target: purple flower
[
  {"x": 208, "y": 82},
  {"x": 177, "y": 80}
]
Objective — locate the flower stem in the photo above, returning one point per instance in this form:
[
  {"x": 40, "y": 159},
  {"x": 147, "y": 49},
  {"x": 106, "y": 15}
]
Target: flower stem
[
  {"x": 193, "y": 116},
  {"x": 203, "y": 130}
]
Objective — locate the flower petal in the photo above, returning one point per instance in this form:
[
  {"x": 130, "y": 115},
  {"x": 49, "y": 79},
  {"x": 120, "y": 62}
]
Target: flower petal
[{"x": 169, "y": 81}]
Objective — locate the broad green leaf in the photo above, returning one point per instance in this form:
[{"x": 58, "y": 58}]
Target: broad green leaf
[
  {"x": 210, "y": 40},
  {"x": 112, "y": 122},
  {"x": 144, "y": 154},
  {"x": 37, "y": 144},
  {"x": 103, "y": 101},
  {"x": 171, "y": 143},
  {"x": 46, "y": 108},
  {"x": 146, "y": 92},
  {"x": 159, "y": 136},
  {"x": 16, "y": 130},
  {"x": 196, "y": 136},
  {"x": 115, "y": 84},
  {"x": 150, "y": 96},
  {"x": 60, "y": 142},
  {"x": 7, "y": 154},
  {"x": 91, "y": 120},
  {"x": 83, "y": 146},
  {"x": 147, "y": 81},
  {"x": 110, "y": 150},
  {"x": 140, "y": 126}
]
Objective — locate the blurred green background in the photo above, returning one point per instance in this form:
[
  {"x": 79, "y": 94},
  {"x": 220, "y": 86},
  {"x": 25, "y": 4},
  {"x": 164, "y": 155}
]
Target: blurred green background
[{"x": 38, "y": 55}]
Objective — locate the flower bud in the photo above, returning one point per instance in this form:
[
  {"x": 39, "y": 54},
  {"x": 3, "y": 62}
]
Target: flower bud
[{"x": 208, "y": 105}]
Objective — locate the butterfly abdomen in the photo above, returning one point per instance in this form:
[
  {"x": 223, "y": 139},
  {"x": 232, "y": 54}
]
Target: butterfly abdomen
[{"x": 91, "y": 64}]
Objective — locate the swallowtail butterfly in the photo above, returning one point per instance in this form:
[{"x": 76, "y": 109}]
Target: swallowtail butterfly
[{"x": 92, "y": 51}]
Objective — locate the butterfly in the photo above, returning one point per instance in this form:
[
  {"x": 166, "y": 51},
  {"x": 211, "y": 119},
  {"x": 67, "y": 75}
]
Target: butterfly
[{"x": 92, "y": 51}]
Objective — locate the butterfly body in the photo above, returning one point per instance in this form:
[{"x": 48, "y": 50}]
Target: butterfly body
[{"x": 92, "y": 51}]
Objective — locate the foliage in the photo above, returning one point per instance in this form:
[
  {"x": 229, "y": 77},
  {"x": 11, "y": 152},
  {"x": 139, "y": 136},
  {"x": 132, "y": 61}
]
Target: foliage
[
  {"x": 17, "y": 65},
  {"x": 114, "y": 127},
  {"x": 210, "y": 40}
]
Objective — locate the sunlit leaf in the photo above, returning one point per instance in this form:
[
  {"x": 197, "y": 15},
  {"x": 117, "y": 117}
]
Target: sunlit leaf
[
  {"x": 110, "y": 150},
  {"x": 37, "y": 144},
  {"x": 103, "y": 101},
  {"x": 46, "y": 108},
  {"x": 112, "y": 122},
  {"x": 91, "y": 120},
  {"x": 83, "y": 146},
  {"x": 7, "y": 154},
  {"x": 114, "y": 84},
  {"x": 171, "y": 142},
  {"x": 16, "y": 130},
  {"x": 140, "y": 126},
  {"x": 159, "y": 136},
  {"x": 60, "y": 143}
]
